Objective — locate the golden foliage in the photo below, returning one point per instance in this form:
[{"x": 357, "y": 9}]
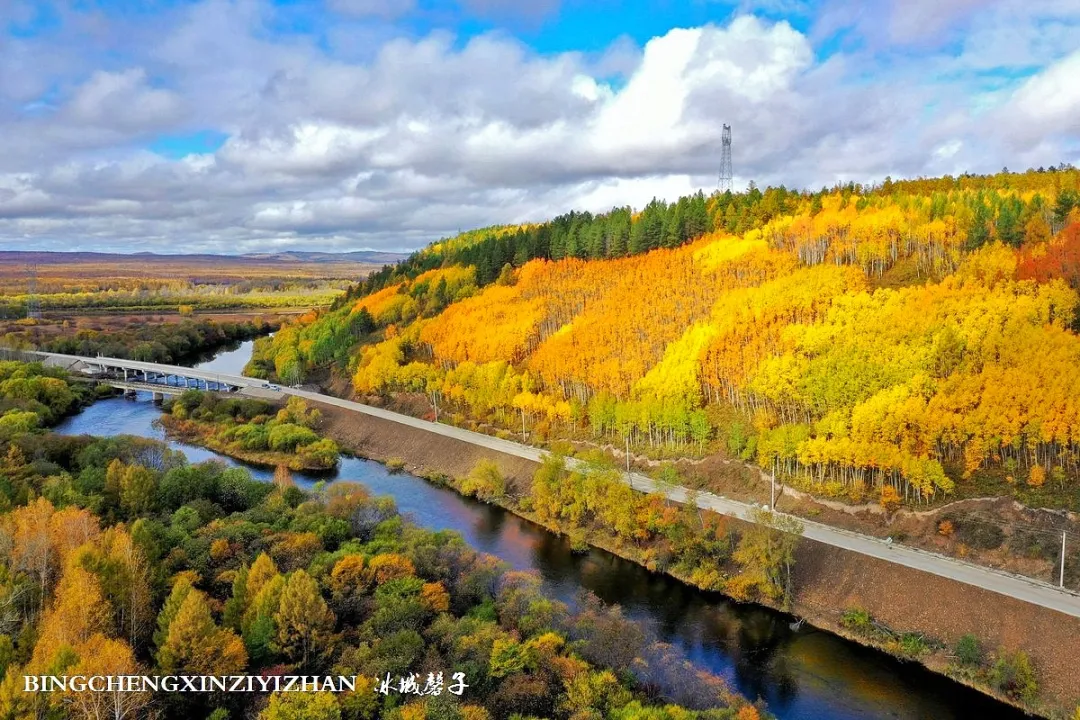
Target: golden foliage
[
  {"x": 389, "y": 566},
  {"x": 886, "y": 336}
]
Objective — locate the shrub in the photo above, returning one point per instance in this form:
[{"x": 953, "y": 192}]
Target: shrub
[
  {"x": 890, "y": 498},
  {"x": 976, "y": 533},
  {"x": 856, "y": 619},
  {"x": 251, "y": 437},
  {"x": 485, "y": 482},
  {"x": 321, "y": 453},
  {"x": 287, "y": 437},
  {"x": 395, "y": 464},
  {"x": 1014, "y": 675},
  {"x": 913, "y": 645},
  {"x": 1035, "y": 545},
  {"x": 968, "y": 650},
  {"x": 578, "y": 544}
]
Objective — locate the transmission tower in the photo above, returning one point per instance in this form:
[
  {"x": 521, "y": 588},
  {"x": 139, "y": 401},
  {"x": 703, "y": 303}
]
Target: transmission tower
[
  {"x": 724, "y": 183},
  {"x": 33, "y": 308}
]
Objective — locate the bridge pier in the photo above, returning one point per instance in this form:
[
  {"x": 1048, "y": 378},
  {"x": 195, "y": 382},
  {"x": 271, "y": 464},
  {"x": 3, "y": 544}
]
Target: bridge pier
[
  {"x": 158, "y": 398},
  {"x": 155, "y": 378}
]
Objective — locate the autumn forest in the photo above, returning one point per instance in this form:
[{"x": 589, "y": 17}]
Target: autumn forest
[{"x": 901, "y": 343}]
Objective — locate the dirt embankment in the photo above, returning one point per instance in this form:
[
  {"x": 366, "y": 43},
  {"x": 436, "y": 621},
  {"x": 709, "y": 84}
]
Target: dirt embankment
[
  {"x": 423, "y": 452},
  {"x": 830, "y": 580}
]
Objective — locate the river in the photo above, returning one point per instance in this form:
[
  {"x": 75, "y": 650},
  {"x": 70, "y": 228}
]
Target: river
[{"x": 803, "y": 675}]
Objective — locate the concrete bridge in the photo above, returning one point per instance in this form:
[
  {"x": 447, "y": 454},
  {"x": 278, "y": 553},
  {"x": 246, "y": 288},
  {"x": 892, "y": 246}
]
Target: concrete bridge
[
  {"x": 150, "y": 377},
  {"x": 156, "y": 390}
]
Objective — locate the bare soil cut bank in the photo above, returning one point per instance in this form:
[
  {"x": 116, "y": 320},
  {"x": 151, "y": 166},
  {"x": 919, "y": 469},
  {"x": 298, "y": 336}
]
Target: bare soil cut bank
[
  {"x": 422, "y": 452},
  {"x": 829, "y": 580}
]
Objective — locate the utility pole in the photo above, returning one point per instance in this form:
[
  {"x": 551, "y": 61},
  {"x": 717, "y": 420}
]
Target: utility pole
[
  {"x": 1061, "y": 578},
  {"x": 435, "y": 402},
  {"x": 629, "y": 477},
  {"x": 724, "y": 181},
  {"x": 522, "y": 424}
]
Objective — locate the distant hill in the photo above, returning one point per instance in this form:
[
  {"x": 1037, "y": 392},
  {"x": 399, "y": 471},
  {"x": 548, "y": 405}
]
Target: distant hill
[
  {"x": 357, "y": 256},
  {"x": 366, "y": 257}
]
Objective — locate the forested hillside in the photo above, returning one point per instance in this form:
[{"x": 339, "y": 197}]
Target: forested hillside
[{"x": 897, "y": 342}]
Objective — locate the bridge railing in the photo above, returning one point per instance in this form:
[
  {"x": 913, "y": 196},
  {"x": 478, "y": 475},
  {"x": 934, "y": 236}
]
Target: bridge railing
[{"x": 123, "y": 370}]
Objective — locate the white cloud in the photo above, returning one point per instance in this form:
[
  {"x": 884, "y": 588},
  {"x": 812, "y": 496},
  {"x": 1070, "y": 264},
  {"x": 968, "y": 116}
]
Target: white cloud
[
  {"x": 948, "y": 149},
  {"x": 1048, "y": 104},
  {"x": 306, "y": 148},
  {"x": 417, "y": 137},
  {"x": 123, "y": 100}
]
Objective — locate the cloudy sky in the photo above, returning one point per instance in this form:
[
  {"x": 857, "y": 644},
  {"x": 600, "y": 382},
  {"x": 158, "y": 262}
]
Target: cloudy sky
[{"x": 250, "y": 125}]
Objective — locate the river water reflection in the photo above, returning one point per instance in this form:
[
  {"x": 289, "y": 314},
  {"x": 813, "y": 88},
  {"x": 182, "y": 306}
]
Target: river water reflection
[{"x": 805, "y": 674}]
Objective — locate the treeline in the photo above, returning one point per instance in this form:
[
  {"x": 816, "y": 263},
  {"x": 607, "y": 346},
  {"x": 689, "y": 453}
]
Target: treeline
[
  {"x": 16, "y": 306},
  {"x": 1057, "y": 178},
  {"x": 618, "y": 233},
  {"x": 119, "y": 558},
  {"x": 876, "y": 232},
  {"x": 33, "y": 396},
  {"x": 167, "y": 342},
  {"x": 998, "y": 206},
  {"x": 168, "y": 281}
]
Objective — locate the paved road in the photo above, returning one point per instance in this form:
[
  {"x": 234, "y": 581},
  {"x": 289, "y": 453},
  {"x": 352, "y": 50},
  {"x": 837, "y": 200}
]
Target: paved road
[{"x": 1021, "y": 588}]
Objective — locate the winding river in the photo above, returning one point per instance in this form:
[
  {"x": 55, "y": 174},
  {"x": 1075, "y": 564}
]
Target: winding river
[{"x": 802, "y": 675}]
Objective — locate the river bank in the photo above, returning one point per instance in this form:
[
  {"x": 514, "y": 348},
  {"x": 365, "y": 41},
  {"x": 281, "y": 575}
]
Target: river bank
[{"x": 829, "y": 580}]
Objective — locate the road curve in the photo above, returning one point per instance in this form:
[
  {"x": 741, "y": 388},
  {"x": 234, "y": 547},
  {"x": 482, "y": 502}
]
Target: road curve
[{"x": 1014, "y": 586}]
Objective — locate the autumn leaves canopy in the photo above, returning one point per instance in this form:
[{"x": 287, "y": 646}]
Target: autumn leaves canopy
[{"x": 903, "y": 336}]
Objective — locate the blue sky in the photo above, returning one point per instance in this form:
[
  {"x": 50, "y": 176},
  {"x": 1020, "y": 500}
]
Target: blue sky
[{"x": 250, "y": 125}]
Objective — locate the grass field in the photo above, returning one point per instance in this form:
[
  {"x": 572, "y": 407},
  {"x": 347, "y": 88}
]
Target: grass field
[{"x": 95, "y": 282}]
